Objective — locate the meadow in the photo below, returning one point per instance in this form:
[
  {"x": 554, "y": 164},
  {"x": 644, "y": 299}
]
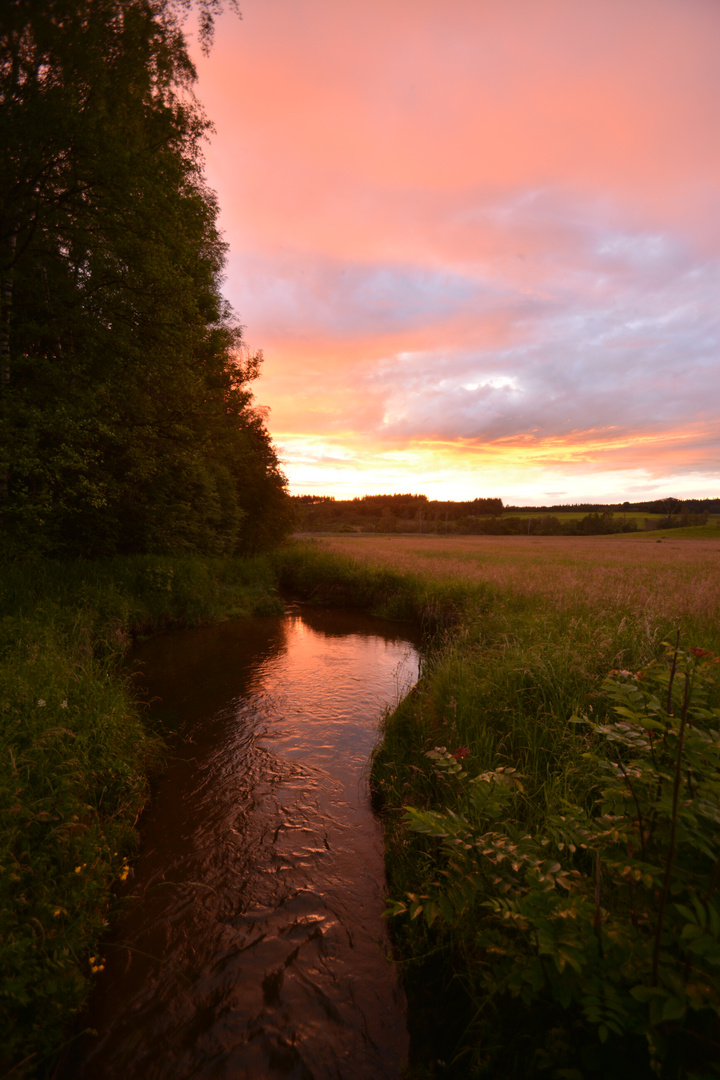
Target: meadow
[
  {"x": 676, "y": 578},
  {"x": 550, "y": 799}
]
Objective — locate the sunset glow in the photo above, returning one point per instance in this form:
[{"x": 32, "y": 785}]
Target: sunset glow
[{"x": 478, "y": 243}]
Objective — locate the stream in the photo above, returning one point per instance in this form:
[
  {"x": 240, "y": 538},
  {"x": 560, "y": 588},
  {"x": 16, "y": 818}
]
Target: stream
[{"x": 251, "y": 942}]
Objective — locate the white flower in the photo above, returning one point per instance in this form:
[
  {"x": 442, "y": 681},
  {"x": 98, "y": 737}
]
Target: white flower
[
  {"x": 63, "y": 704},
  {"x": 41, "y": 702}
]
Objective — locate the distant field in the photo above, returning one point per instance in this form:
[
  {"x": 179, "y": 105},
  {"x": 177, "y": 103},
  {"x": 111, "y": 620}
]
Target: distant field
[
  {"x": 711, "y": 531},
  {"x": 577, "y": 515},
  {"x": 638, "y": 516},
  {"x": 676, "y": 578}
]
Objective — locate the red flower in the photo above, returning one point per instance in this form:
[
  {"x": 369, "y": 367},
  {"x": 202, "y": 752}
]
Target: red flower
[{"x": 460, "y": 753}]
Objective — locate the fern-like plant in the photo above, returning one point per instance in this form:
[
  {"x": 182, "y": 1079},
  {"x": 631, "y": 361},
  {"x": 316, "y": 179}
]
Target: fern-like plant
[{"x": 611, "y": 912}]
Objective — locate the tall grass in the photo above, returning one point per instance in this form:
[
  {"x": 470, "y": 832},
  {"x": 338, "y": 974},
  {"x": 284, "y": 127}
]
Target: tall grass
[
  {"x": 674, "y": 579},
  {"x": 499, "y": 692},
  {"x": 76, "y": 752},
  {"x": 316, "y": 574}
]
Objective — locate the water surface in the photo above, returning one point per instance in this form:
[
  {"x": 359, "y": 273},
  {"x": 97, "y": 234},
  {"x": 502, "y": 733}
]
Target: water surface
[{"x": 251, "y": 943}]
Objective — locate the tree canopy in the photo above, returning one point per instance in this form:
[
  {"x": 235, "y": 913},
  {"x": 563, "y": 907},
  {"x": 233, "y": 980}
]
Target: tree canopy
[{"x": 127, "y": 416}]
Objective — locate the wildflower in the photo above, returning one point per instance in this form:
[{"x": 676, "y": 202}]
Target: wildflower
[
  {"x": 461, "y": 752},
  {"x": 63, "y": 704},
  {"x": 79, "y": 869},
  {"x": 56, "y": 912},
  {"x": 41, "y": 702},
  {"x": 124, "y": 870},
  {"x": 99, "y": 966}
]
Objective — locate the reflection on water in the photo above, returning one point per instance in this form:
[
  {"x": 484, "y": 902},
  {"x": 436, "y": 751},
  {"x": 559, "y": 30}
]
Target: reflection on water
[{"x": 252, "y": 943}]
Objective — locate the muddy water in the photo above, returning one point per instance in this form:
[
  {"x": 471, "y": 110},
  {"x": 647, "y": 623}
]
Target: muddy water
[{"x": 251, "y": 943}]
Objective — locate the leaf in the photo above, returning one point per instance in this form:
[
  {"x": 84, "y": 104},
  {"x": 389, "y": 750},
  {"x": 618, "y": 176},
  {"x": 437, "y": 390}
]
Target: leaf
[
  {"x": 700, "y": 911},
  {"x": 714, "y": 920},
  {"x": 673, "y": 1009},
  {"x": 431, "y": 912},
  {"x": 645, "y": 993},
  {"x": 446, "y": 907}
]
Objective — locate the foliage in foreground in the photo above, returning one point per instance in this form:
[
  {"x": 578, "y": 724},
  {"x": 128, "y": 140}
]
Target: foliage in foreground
[
  {"x": 74, "y": 758},
  {"x": 72, "y": 781},
  {"x": 611, "y": 911}
]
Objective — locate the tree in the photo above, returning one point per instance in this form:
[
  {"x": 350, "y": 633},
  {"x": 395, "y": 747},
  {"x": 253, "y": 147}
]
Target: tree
[{"x": 127, "y": 415}]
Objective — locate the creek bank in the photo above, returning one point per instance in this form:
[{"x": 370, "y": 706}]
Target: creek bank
[
  {"x": 77, "y": 750},
  {"x": 253, "y": 919}
]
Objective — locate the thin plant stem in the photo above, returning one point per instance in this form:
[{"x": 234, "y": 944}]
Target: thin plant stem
[
  {"x": 597, "y": 921},
  {"x": 713, "y": 879},
  {"x": 673, "y": 830},
  {"x": 638, "y": 811},
  {"x": 672, "y": 675}
]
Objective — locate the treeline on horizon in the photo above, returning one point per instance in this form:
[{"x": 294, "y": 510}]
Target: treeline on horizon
[
  {"x": 668, "y": 507},
  {"x": 127, "y": 421},
  {"x": 489, "y": 516}
]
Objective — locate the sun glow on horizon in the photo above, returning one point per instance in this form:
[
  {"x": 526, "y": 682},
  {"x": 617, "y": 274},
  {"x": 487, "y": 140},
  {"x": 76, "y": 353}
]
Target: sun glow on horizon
[{"x": 600, "y": 466}]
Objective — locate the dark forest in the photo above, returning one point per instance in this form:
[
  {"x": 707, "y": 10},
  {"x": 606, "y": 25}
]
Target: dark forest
[{"x": 128, "y": 421}]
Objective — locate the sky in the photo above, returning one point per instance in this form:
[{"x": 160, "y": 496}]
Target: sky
[{"x": 478, "y": 241}]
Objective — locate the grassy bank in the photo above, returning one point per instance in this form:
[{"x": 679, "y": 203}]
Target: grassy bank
[
  {"x": 76, "y": 754},
  {"x": 553, "y": 891},
  {"x": 314, "y": 573}
]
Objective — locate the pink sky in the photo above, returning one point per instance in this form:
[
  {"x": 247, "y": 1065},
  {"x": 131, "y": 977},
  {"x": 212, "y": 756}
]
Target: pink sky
[{"x": 478, "y": 241}]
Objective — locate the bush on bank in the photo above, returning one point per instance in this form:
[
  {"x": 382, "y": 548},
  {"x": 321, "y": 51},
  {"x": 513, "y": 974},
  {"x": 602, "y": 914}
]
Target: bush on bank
[{"x": 76, "y": 752}]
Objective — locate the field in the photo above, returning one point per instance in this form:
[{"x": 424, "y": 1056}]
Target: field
[
  {"x": 677, "y": 578},
  {"x": 552, "y": 863},
  {"x": 577, "y": 515}
]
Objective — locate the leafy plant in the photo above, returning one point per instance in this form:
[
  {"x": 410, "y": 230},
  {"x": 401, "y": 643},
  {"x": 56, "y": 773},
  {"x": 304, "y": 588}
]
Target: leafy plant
[{"x": 610, "y": 911}]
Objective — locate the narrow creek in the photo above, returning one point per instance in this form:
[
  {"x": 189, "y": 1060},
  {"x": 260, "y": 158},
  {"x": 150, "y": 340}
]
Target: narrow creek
[{"x": 251, "y": 942}]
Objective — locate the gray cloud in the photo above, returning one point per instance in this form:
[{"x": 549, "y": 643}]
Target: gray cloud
[{"x": 583, "y": 325}]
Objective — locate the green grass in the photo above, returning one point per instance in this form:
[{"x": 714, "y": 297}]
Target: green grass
[
  {"x": 74, "y": 766},
  {"x": 306, "y": 571},
  {"x": 711, "y": 531}
]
